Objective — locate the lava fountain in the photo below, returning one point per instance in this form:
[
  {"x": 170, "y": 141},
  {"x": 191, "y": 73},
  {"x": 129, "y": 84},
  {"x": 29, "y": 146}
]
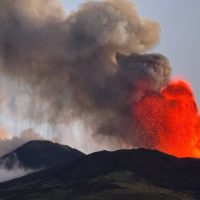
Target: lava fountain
[{"x": 170, "y": 120}]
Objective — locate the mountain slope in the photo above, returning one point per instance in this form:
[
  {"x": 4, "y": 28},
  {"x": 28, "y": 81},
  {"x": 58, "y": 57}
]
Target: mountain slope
[
  {"x": 152, "y": 166},
  {"x": 40, "y": 154},
  {"x": 121, "y": 175}
]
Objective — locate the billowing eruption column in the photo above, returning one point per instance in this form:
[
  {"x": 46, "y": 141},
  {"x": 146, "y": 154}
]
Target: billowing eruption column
[{"x": 91, "y": 66}]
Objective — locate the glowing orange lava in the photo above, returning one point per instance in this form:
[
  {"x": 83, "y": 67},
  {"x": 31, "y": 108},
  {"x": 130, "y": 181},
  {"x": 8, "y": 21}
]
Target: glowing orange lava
[{"x": 170, "y": 121}]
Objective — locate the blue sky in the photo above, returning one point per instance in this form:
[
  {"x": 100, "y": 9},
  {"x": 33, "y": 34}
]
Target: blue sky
[{"x": 180, "y": 36}]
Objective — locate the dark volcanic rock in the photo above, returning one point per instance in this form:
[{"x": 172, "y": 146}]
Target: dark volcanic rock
[
  {"x": 40, "y": 154},
  {"x": 121, "y": 175},
  {"x": 150, "y": 165}
]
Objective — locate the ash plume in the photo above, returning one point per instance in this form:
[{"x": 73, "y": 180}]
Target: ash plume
[{"x": 89, "y": 65}]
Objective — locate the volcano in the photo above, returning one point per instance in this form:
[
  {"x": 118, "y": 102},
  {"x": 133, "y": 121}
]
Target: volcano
[
  {"x": 40, "y": 154},
  {"x": 90, "y": 78},
  {"x": 124, "y": 174}
]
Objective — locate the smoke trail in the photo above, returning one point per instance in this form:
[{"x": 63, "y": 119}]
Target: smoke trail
[
  {"x": 88, "y": 66},
  {"x": 14, "y": 171}
]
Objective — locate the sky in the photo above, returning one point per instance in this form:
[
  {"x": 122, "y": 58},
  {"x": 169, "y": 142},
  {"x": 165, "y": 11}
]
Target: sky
[{"x": 180, "y": 34}]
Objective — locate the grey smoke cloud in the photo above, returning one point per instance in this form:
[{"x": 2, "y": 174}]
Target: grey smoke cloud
[
  {"x": 15, "y": 171},
  {"x": 88, "y": 66}
]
